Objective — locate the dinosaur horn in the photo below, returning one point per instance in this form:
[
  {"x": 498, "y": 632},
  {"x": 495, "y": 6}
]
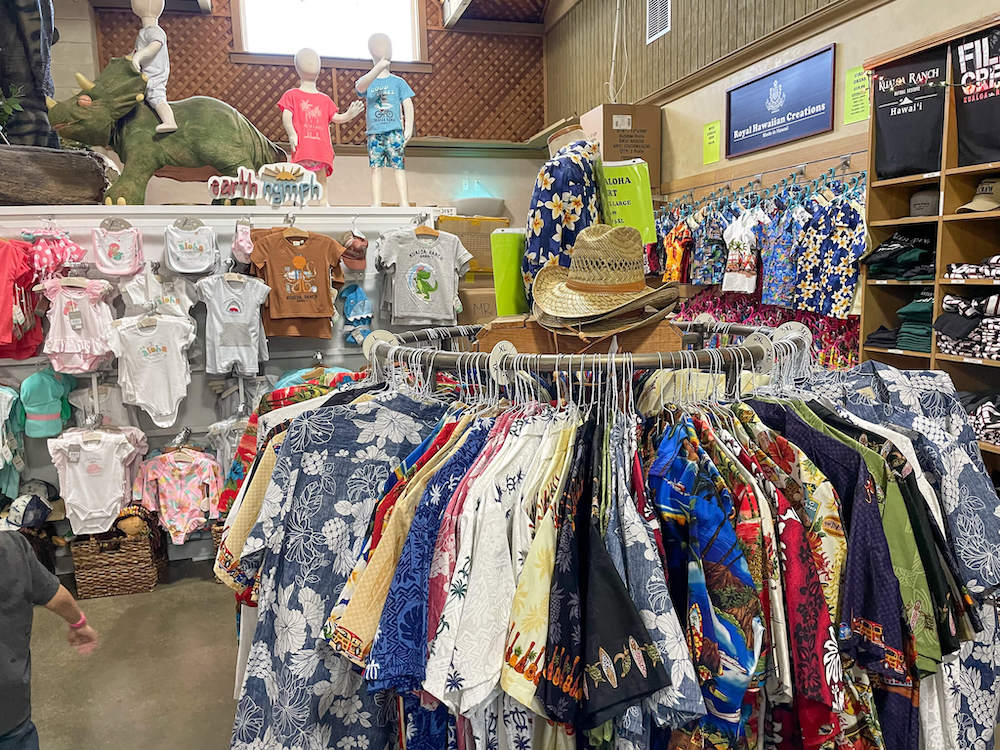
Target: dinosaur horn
[
  {"x": 83, "y": 82},
  {"x": 50, "y": 102}
]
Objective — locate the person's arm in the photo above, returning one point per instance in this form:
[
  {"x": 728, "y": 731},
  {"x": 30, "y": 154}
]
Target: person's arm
[
  {"x": 81, "y": 636},
  {"x": 362, "y": 84},
  {"x": 355, "y": 109}
]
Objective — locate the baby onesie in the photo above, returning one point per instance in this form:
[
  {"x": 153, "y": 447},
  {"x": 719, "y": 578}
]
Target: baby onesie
[
  {"x": 91, "y": 469},
  {"x": 153, "y": 368},
  {"x": 181, "y": 487},
  {"x": 145, "y": 292},
  {"x": 118, "y": 253},
  {"x": 78, "y": 320},
  {"x": 234, "y": 333},
  {"x": 191, "y": 250},
  {"x": 109, "y": 405}
]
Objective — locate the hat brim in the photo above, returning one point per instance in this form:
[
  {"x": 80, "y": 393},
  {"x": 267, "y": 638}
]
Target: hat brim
[
  {"x": 553, "y": 296},
  {"x": 980, "y": 203},
  {"x": 601, "y": 328}
]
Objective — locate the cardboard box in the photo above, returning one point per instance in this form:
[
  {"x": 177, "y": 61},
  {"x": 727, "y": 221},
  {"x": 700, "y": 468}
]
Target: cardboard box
[
  {"x": 474, "y": 232},
  {"x": 627, "y": 131},
  {"x": 478, "y": 306}
]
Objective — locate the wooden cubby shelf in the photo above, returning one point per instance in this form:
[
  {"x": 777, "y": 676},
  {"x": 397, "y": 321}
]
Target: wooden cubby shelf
[
  {"x": 968, "y": 237},
  {"x": 989, "y": 166},
  {"x": 904, "y": 221},
  {"x": 898, "y": 352},
  {"x": 989, "y": 447},
  {"x": 979, "y": 361}
]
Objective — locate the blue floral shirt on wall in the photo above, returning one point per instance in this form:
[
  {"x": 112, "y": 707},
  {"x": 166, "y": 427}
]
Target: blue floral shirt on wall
[
  {"x": 564, "y": 203},
  {"x": 827, "y": 273}
]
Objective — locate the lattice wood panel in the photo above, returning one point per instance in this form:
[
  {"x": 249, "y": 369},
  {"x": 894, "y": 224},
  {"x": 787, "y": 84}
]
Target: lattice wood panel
[
  {"x": 528, "y": 11},
  {"x": 483, "y": 86}
]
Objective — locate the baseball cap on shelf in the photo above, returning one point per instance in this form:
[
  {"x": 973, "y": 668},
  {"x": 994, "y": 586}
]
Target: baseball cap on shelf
[
  {"x": 987, "y": 197},
  {"x": 924, "y": 203}
]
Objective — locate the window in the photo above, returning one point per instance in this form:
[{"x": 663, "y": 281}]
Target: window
[{"x": 334, "y": 29}]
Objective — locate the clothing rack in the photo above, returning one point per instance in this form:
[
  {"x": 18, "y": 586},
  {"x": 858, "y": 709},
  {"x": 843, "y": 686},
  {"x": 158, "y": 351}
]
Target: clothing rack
[{"x": 764, "y": 343}]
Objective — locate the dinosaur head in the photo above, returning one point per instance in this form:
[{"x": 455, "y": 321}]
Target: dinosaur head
[{"x": 90, "y": 116}]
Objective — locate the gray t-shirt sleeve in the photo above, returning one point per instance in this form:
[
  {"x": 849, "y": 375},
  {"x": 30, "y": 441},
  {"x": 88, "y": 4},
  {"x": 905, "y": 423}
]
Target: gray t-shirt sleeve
[{"x": 40, "y": 584}]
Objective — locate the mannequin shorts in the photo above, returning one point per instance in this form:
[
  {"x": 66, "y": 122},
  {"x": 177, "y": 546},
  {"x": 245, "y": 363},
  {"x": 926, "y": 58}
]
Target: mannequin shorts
[{"x": 386, "y": 149}]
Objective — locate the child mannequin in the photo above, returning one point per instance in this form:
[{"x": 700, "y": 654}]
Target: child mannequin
[
  {"x": 306, "y": 114},
  {"x": 150, "y": 58},
  {"x": 390, "y": 118}
]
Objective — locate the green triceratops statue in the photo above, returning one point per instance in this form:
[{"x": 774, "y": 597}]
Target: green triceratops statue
[{"x": 109, "y": 112}]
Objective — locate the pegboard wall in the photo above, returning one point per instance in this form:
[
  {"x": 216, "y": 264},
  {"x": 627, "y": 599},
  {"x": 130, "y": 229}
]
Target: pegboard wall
[{"x": 482, "y": 86}]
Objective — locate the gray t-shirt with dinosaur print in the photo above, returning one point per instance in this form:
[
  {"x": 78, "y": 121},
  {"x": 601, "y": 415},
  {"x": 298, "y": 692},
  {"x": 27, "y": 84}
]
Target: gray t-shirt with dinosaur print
[{"x": 425, "y": 274}]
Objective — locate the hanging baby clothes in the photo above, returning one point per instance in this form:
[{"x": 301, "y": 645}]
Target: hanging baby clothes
[
  {"x": 182, "y": 486},
  {"x": 117, "y": 253},
  {"x": 234, "y": 334},
  {"x": 148, "y": 293},
  {"x": 225, "y": 437},
  {"x": 20, "y": 331},
  {"x": 192, "y": 251},
  {"x": 79, "y": 318},
  {"x": 93, "y": 474},
  {"x": 50, "y": 250},
  {"x": 11, "y": 441},
  {"x": 153, "y": 368}
]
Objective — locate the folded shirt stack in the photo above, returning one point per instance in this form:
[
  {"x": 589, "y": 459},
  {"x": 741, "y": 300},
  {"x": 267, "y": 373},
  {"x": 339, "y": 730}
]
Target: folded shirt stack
[
  {"x": 904, "y": 256},
  {"x": 969, "y": 327},
  {"x": 983, "y": 409},
  {"x": 883, "y": 337},
  {"x": 988, "y": 269},
  {"x": 915, "y": 329}
]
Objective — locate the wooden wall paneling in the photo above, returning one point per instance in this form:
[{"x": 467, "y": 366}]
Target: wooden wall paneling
[{"x": 703, "y": 32}]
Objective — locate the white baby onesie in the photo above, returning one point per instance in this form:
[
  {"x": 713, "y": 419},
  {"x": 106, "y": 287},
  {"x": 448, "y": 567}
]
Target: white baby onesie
[
  {"x": 234, "y": 333},
  {"x": 191, "y": 250},
  {"x": 145, "y": 292},
  {"x": 118, "y": 253},
  {"x": 91, "y": 477},
  {"x": 153, "y": 367},
  {"x": 109, "y": 405}
]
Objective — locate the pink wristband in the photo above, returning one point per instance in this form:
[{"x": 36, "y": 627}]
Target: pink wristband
[{"x": 80, "y": 624}]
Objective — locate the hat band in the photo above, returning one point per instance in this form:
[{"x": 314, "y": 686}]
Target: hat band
[{"x": 580, "y": 286}]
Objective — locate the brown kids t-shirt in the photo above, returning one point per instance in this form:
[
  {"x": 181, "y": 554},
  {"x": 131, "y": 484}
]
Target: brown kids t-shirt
[{"x": 299, "y": 273}]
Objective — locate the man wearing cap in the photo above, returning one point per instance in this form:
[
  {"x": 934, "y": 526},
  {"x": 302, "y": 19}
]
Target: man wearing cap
[{"x": 24, "y": 583}]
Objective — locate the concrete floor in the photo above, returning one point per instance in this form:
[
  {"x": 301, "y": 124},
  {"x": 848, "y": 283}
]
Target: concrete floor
[{"x": 161, "y": 678}]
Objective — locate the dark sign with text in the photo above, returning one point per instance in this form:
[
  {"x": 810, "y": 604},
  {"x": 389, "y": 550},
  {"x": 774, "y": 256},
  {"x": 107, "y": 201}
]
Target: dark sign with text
[
  {"x": 792, "y": 102},
  {"x": 975, "y": 61},
  {"x": 909, "y": 114}
]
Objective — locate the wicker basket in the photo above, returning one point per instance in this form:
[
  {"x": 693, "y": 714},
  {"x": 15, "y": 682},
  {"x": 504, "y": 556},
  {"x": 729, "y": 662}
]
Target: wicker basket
[
  {"x": 474, "y": 231},
  {"x": 113, "y": 567}
]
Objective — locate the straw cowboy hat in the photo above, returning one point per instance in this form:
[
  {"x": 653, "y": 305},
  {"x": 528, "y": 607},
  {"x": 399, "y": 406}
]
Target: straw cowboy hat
[{"x": 605, "y": 278}]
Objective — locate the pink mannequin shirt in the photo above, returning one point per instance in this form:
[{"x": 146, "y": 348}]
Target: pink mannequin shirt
[{"x": 311, "y": 117}]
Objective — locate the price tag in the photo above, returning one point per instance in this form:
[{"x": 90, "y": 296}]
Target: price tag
[
  {"x": 18, "y": 463},
  {"x": 75, "y": 320},
  {"x": 881, "y": 282},
  {"x": 972, "y": 360},
  {"x": 73, "y": 454},
  {"x": 958, "y": 281},
  {"x": 894, "y": 351}
]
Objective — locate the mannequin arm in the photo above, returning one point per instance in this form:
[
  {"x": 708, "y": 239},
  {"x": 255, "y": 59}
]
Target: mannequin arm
[
  {"x": 141, "y": 57},
  {"x": 353, "y": 111},
  {"x": 362, "y": 84},
  {"x": 407, "y": 120},
  {"x": 286, "y": 121}
]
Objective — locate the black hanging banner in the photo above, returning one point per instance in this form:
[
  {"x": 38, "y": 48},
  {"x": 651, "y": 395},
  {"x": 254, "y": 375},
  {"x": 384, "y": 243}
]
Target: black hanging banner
[
  {"x": 909, "y": 114},
  {"x": 975, "y": 61}
]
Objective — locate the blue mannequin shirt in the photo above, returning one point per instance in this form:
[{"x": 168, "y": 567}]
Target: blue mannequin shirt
[{"x": 384, "y": 98}]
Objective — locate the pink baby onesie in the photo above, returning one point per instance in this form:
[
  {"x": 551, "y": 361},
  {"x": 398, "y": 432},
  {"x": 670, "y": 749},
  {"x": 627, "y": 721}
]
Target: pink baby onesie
[
  {"x": 118, "y": 253},
  {"x": 181, "y": 492},
  {"x": 78, "y": 321}
]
